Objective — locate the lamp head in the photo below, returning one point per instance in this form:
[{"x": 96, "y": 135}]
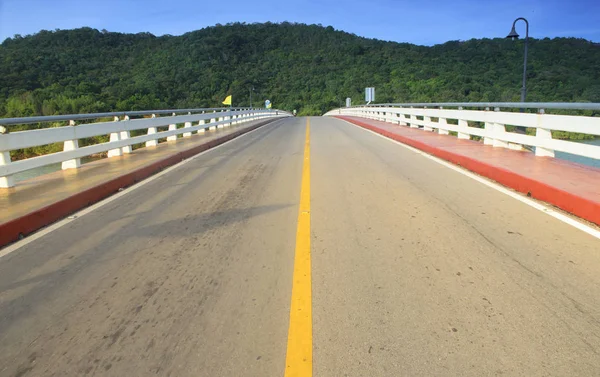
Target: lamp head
[{"x": 513, "y": 34}]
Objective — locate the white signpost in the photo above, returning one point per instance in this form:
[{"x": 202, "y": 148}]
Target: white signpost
[
  {"x": 348, "y": 102},
  {"x": 369, "y": 95}
]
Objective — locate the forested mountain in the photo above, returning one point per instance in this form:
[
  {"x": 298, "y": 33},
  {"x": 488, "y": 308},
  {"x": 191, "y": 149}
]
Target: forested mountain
[{"x": 306, "y": 67}]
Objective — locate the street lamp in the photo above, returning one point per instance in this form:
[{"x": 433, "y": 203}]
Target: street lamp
[
  {"x": 251, "y": 90},
  {"x": 513, "y": 35}
]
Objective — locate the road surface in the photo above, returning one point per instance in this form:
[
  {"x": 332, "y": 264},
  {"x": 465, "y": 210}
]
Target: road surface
[{"x": 416, "y": 270}]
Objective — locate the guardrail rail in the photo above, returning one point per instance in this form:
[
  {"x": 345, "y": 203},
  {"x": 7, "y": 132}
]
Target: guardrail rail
[
  {"x": 120, "y": 128},
  {"x": 446, "y": 118}
]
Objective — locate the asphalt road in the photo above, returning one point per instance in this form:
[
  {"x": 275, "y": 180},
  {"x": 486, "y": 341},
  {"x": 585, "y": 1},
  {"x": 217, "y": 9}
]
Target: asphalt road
[{"x": 417, "y": 270}]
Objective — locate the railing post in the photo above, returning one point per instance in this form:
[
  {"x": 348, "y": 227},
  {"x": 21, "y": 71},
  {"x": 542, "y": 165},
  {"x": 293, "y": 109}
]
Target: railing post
[
  {"x": 187, "y": 125},
  {"x": 541, "y": 135},
  {"x": 152, "y": 131},
  {"x": 402, "y": 116},
  {"x": 464, "y": 126},
  {"x": 489, "y": 129},
  {"x": 212, "y": 120},
  {"x": 499, "y": 139},
  {"x": 442, "y": 124},
  {"x": 221, "y": 118},
  {"x": 7, "y": 180},
  {"x": 124, "y": 136},
  {"x": 172, "y": 126},
  {"x": 115, "y": 136},
  {"x": 427, "y": 120},
  {"x": 412, "y": 120},
  {"x": 71, "y": 145}
]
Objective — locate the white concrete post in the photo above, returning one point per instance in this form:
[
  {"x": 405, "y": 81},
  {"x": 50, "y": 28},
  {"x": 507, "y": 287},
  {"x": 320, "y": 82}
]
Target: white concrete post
[
  {"x": 152, "y": 131},
  {"x": 443, "y": 123},
  {"x": 427, "y": 120},
  {"x": 115, "y": 136},
  {"x": 463, "y": 125},
  {"x": 402, "y": 121},
  {"x": 499, "y": 134},
  {"x": 221, "y": 118},
  {"x": 201, "y": 123},
  {"x": 541, "y": 135},
  {"x": 124, "y": 136},
  {"x": 442, "y": 126},
  {"x": 226, "y": 119},
  {"x": 489, "y": 130},
  {"x": 187, "y": 125},
  {"x": 172, "y": 127},
  {"x": 412, "y": 121},
  {"x": 71, "y": 145},
  {"x": 8, "y": 180}
]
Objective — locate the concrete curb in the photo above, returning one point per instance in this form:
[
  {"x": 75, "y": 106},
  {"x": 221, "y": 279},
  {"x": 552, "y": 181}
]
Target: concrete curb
[
  {"x": 15, "y": 229},
  {"x": 585, "y": 208}
]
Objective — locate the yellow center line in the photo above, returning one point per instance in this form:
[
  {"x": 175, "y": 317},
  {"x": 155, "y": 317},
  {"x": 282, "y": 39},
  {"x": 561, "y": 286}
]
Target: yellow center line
[{"x": 298, "y": 361}]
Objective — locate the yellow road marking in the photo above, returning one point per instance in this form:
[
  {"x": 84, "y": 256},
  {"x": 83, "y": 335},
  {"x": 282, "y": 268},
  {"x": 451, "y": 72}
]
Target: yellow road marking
[{"x": 298, "y": 361}]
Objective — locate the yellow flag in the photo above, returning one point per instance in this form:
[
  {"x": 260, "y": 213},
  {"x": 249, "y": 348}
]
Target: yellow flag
[{"x": 227, "y": 100}]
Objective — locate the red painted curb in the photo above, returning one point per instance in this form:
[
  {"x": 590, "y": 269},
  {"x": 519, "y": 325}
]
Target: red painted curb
[
  {"x": 12, "y": 230},
  {"x": 585, "y": 208}
]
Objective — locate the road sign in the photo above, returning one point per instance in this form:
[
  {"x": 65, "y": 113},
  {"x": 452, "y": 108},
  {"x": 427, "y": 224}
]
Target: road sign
[
  {"x": 348, "y": 102},
  {"x": 267, "y": 104},
  {"x": 369, "y": 94}
]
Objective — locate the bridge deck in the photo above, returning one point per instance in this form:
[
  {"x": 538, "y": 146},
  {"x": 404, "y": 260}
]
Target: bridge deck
[
  {"x": 30, "y": 197},
  {"x": 417, "y": 270},
  {"x": 569, "y": 186}
]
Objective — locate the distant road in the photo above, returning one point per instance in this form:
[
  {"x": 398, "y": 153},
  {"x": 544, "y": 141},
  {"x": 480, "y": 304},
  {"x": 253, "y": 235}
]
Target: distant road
[{"x": 417, "y": 270}]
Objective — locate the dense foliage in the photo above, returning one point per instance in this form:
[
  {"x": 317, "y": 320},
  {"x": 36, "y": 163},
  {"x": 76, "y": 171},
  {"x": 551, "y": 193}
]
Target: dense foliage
[{"x": 305, "y": 67}]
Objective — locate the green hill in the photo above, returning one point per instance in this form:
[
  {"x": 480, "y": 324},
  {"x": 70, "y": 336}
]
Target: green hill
[{"x": 306, "y": 67}]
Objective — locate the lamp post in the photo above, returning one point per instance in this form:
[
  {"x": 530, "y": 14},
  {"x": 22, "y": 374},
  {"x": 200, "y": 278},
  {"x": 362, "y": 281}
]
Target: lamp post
[
  {"x": 251, "y": 90},
  {"x": 513, "y": 35}
]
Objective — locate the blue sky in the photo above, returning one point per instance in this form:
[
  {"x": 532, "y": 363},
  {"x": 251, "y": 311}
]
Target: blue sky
[{"x": 424, "y": 22}]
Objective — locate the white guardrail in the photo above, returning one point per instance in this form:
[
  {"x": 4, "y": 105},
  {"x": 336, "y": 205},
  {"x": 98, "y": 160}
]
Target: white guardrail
[
  {"x": 119, "y": 130},
  {"x": 419, "y": 115}
]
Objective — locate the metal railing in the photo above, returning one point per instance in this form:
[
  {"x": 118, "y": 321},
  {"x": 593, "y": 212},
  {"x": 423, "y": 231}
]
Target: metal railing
[
  {"x": 58, "y": 118},
  {"x": 490, "y": 123},
  {"x": 119, "y": 129},
  {"x": 501, "y": 105}
]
